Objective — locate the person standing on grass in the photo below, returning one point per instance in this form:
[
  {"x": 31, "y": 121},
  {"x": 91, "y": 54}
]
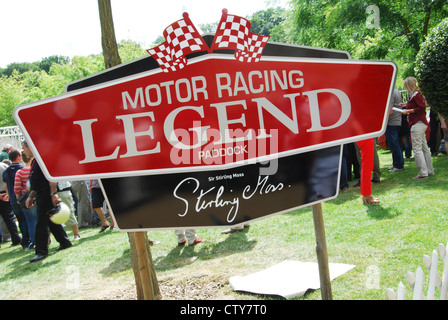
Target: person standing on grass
[
  {"x": 82, "y": 203},
  {"x": 6, "y": 210},
  {"x": 9, "y": 176},
  {"x": 65, "y": 193},
  {"x": 416, "y": 111},
  {"x": 97, "y": 205},
  {"x": 367, "y": 160},
  {"x": 43, "y": 194},
  {"x": 187, "y": 236},
  {"x": 21, "y": 188},
  {"x": 392, "y": 134}
]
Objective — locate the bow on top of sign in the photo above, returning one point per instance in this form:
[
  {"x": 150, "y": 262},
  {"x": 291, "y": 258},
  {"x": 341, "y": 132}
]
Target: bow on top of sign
[{"x": 182, "y": 38}]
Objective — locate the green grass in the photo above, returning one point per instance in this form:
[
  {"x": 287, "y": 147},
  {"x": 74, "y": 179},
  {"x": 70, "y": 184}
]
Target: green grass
[{"x": 383, "y": 241}]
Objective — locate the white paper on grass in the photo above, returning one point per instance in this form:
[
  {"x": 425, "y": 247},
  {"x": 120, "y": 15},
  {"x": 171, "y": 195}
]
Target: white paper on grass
[{"x": 287, "y": 279}]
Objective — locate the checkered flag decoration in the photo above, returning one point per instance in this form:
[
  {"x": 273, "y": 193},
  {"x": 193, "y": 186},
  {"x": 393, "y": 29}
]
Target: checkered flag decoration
[
  {"x": 234, "y": 33},
  {"x": 182, "y": 38}
]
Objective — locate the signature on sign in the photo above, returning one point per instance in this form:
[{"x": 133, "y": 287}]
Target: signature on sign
[{"x": 262, "y": 187}]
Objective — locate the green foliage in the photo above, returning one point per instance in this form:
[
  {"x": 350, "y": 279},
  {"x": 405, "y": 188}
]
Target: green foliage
[
  {"x": 374, "y": 30},
  {"x": 44, "y": 64},
  {"x": 432, "y": 68},
  {"x": 266, "y": 22},
  {"x": 20, "y": 67},
  {"x": 205, "y": 28},
  {"x": 12, "y": 93},
  {"x": 22, "y": 83},
  {"x": 130, "y": 50}
]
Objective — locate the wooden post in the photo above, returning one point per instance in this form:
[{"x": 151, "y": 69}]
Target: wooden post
[
  {"x": 322, "y": 255},
  {"x": 144, "y": 273}
]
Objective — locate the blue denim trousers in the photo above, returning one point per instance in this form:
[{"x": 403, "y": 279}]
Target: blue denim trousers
[
  {"x": 23, "y": 224},
  {"x": 31, "y": 219},
  {"x": 393, "y": 143}
]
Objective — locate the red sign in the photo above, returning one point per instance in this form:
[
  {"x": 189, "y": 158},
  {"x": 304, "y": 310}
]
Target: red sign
[{"x": 215, "y": 111}]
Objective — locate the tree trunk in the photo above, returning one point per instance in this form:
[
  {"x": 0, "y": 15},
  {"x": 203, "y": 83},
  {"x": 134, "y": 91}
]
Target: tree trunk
[
  {"x": 108, "y": 41},
  {"x": 426, "y": 23}
]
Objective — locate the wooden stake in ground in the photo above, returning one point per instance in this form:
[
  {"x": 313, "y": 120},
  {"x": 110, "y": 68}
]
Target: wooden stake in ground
[
  {"x": 142, "y": 264},
  {"x": 322, "y": 255}
]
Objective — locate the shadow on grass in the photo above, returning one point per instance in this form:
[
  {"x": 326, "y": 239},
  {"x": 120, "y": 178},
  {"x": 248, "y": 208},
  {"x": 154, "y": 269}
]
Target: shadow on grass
[
  {"x": 378, "y": 212},
  {"x": 120, "y": 264},
  {"x": 179, "y": 257},
  {"x": 182, "y": 256},
  {"x": 7, "y": 254},
  {"x": 21, "y": 267}
]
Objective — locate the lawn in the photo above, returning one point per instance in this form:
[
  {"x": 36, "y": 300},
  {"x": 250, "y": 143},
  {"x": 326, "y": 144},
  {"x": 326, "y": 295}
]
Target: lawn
[{"x": 383, "y": 241}]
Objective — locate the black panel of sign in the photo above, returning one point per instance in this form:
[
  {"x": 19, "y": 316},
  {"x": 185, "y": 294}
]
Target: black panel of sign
[{"x": 224, "y": 197}]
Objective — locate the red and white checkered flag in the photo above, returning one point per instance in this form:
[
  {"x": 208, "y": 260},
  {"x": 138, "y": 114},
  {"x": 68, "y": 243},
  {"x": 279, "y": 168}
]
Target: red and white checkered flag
[
  {"x": 182, "y": 38},
  {"x": 234, "y": 33}
]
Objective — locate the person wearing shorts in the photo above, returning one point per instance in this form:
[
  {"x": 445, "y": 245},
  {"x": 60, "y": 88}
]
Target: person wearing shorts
[{"x": 97, "y": 205}]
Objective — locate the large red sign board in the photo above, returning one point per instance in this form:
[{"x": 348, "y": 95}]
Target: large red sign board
[{"x": 216, "y": 111}]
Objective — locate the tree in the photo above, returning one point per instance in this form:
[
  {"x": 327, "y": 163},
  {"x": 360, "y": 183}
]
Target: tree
[
  {"x": 207, "y": 27},
  {"x": 432, "y": 68},
  {"x": 409, "y": 18},
  {"x": 108, "y": 41},
  {"x": 46, "y": 63},
  {"x": 264, "y": 22},
  {"x": 12, "y": 94},
  {"x": 376, "y": 29},
  {"x": 20, "y": 67},
  {"x": 130, "y": 50}
]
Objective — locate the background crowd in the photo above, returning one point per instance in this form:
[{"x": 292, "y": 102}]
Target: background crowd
[{"x": 26, "y": 199}]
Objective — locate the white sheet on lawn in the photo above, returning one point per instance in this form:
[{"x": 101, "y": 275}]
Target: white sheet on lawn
[{"x": 287, "y": 279}]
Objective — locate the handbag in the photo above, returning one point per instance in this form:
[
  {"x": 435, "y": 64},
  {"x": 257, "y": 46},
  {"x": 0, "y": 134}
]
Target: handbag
[{"x": 22, "y": 199}]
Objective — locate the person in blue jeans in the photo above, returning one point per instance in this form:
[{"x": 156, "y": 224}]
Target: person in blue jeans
[
  {"x": 392, "y": 134},
  {"x": 8, "y": 177},
  {"x": 21, "y": 184}
]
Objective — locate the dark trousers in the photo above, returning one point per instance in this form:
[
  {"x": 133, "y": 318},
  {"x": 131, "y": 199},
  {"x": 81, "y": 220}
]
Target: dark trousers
[
  {"x": 394, "y": 145},
  {"x": 23, "y": 224},
  {"x": 8, "y": 217},
  {"x": 44, "y": 225}
]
